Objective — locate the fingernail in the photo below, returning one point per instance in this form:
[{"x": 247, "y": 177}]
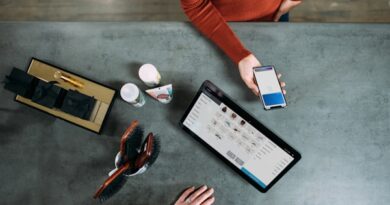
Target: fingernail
[{"x": 205, "y": 186}]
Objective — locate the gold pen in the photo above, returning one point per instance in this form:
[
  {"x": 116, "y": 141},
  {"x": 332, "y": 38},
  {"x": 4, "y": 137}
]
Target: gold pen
[{"x": 68, "y": 79}]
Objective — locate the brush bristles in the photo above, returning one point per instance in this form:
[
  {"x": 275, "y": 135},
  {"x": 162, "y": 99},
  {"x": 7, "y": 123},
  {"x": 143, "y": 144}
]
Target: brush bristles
[
  {"x": 155, "y": 151},
  {"x": 133, "y": 143},
  {"x": 113, "y": 188}
]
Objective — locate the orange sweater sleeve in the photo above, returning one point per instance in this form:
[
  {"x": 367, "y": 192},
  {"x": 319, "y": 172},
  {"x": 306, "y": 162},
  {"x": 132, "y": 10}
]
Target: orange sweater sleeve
[{"x": 208, "y": 20}]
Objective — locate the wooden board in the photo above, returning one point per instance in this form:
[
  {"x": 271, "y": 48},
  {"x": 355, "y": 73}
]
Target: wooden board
[{"x": 104, "y": 96}]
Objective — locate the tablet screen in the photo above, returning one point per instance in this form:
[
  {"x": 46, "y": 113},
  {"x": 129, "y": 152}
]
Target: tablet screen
[{"x": 236, "y": 139}]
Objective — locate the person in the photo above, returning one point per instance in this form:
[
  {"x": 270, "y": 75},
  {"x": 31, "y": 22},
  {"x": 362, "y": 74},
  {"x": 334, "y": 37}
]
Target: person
[
  {"x": 200, "y": 196},
  {"x": 210, "y": 17}
]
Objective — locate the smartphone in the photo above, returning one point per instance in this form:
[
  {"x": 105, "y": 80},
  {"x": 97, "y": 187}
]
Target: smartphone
[{"x": 270, "y": 91}]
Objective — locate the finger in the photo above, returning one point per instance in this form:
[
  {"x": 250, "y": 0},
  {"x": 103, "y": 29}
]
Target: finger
[
  {"x": 204, "y": 196},
  {"x": 282, "y": 84},
  {"x": 251, "y": 85},
  {"x": 209, "y": 201},
  {"x": 197, "y": 193},
  {"x": 255, "y": 90},
  {"x": 186, "y": 193},
  {"x": 295, "y": 2},
  {"x": 279, "y": 75},
  {"x": 284, "y": 92},
  {"x": 277, "y": 17}
]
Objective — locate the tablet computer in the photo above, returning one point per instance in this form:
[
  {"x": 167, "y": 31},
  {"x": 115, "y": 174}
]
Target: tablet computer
[{"x": 237, "y": 138}]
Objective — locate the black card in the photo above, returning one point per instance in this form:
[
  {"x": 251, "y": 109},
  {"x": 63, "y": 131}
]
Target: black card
[
  {"x": 21, "y": 83},
  {"x": 46, "y": 94},
  {"x": 78, "y": 104}
]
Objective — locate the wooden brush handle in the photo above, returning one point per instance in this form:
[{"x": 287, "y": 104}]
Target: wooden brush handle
[
  {"x": 109, "y": 180},
  {"x": 146, "y": 152},
  {"x": 125, "y": 136}
]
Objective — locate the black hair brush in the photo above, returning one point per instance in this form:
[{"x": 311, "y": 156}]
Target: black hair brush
[
  {"x": 131, "y": 160},
  {"x": 113, "y": 184},
  {"x": 148, "y": 154},
  {"x": 130, "y": 142}
]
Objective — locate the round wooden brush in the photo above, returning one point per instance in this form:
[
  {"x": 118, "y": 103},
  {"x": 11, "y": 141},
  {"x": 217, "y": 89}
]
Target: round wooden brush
[
  {"x": 112, "y": 184},
  {"x": 130, "y": 142},
  {"x": 148, "y": 155},
  {"x": 134, "y": 159}
]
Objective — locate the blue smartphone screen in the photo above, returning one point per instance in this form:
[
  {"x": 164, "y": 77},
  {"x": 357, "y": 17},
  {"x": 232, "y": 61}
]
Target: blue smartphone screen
[
  {"x": 273, "y": 99},
  {"x": 269, "y": 87}
]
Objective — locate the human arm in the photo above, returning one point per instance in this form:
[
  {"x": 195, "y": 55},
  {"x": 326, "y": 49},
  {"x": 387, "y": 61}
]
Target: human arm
[{"x": 208, "y": 20}]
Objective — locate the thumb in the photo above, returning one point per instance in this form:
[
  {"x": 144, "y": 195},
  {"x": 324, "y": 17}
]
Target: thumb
[
  {"x": 288, "y": 6},
  {"x": 277, "y": 16},
  {"x": 251, "y": 85},
  {"x": 295, "y": 3}
]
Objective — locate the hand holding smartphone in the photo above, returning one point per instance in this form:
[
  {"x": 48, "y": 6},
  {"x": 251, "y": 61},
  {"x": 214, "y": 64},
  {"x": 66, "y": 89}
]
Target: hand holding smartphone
[{"x": 271, "y": 93}]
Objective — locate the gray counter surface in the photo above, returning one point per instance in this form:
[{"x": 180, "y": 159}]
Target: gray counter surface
[{"x": 338, "y": 90}]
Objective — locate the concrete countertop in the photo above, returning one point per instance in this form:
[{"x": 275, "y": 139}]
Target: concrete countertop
[{"x": 338, "y": 116}]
